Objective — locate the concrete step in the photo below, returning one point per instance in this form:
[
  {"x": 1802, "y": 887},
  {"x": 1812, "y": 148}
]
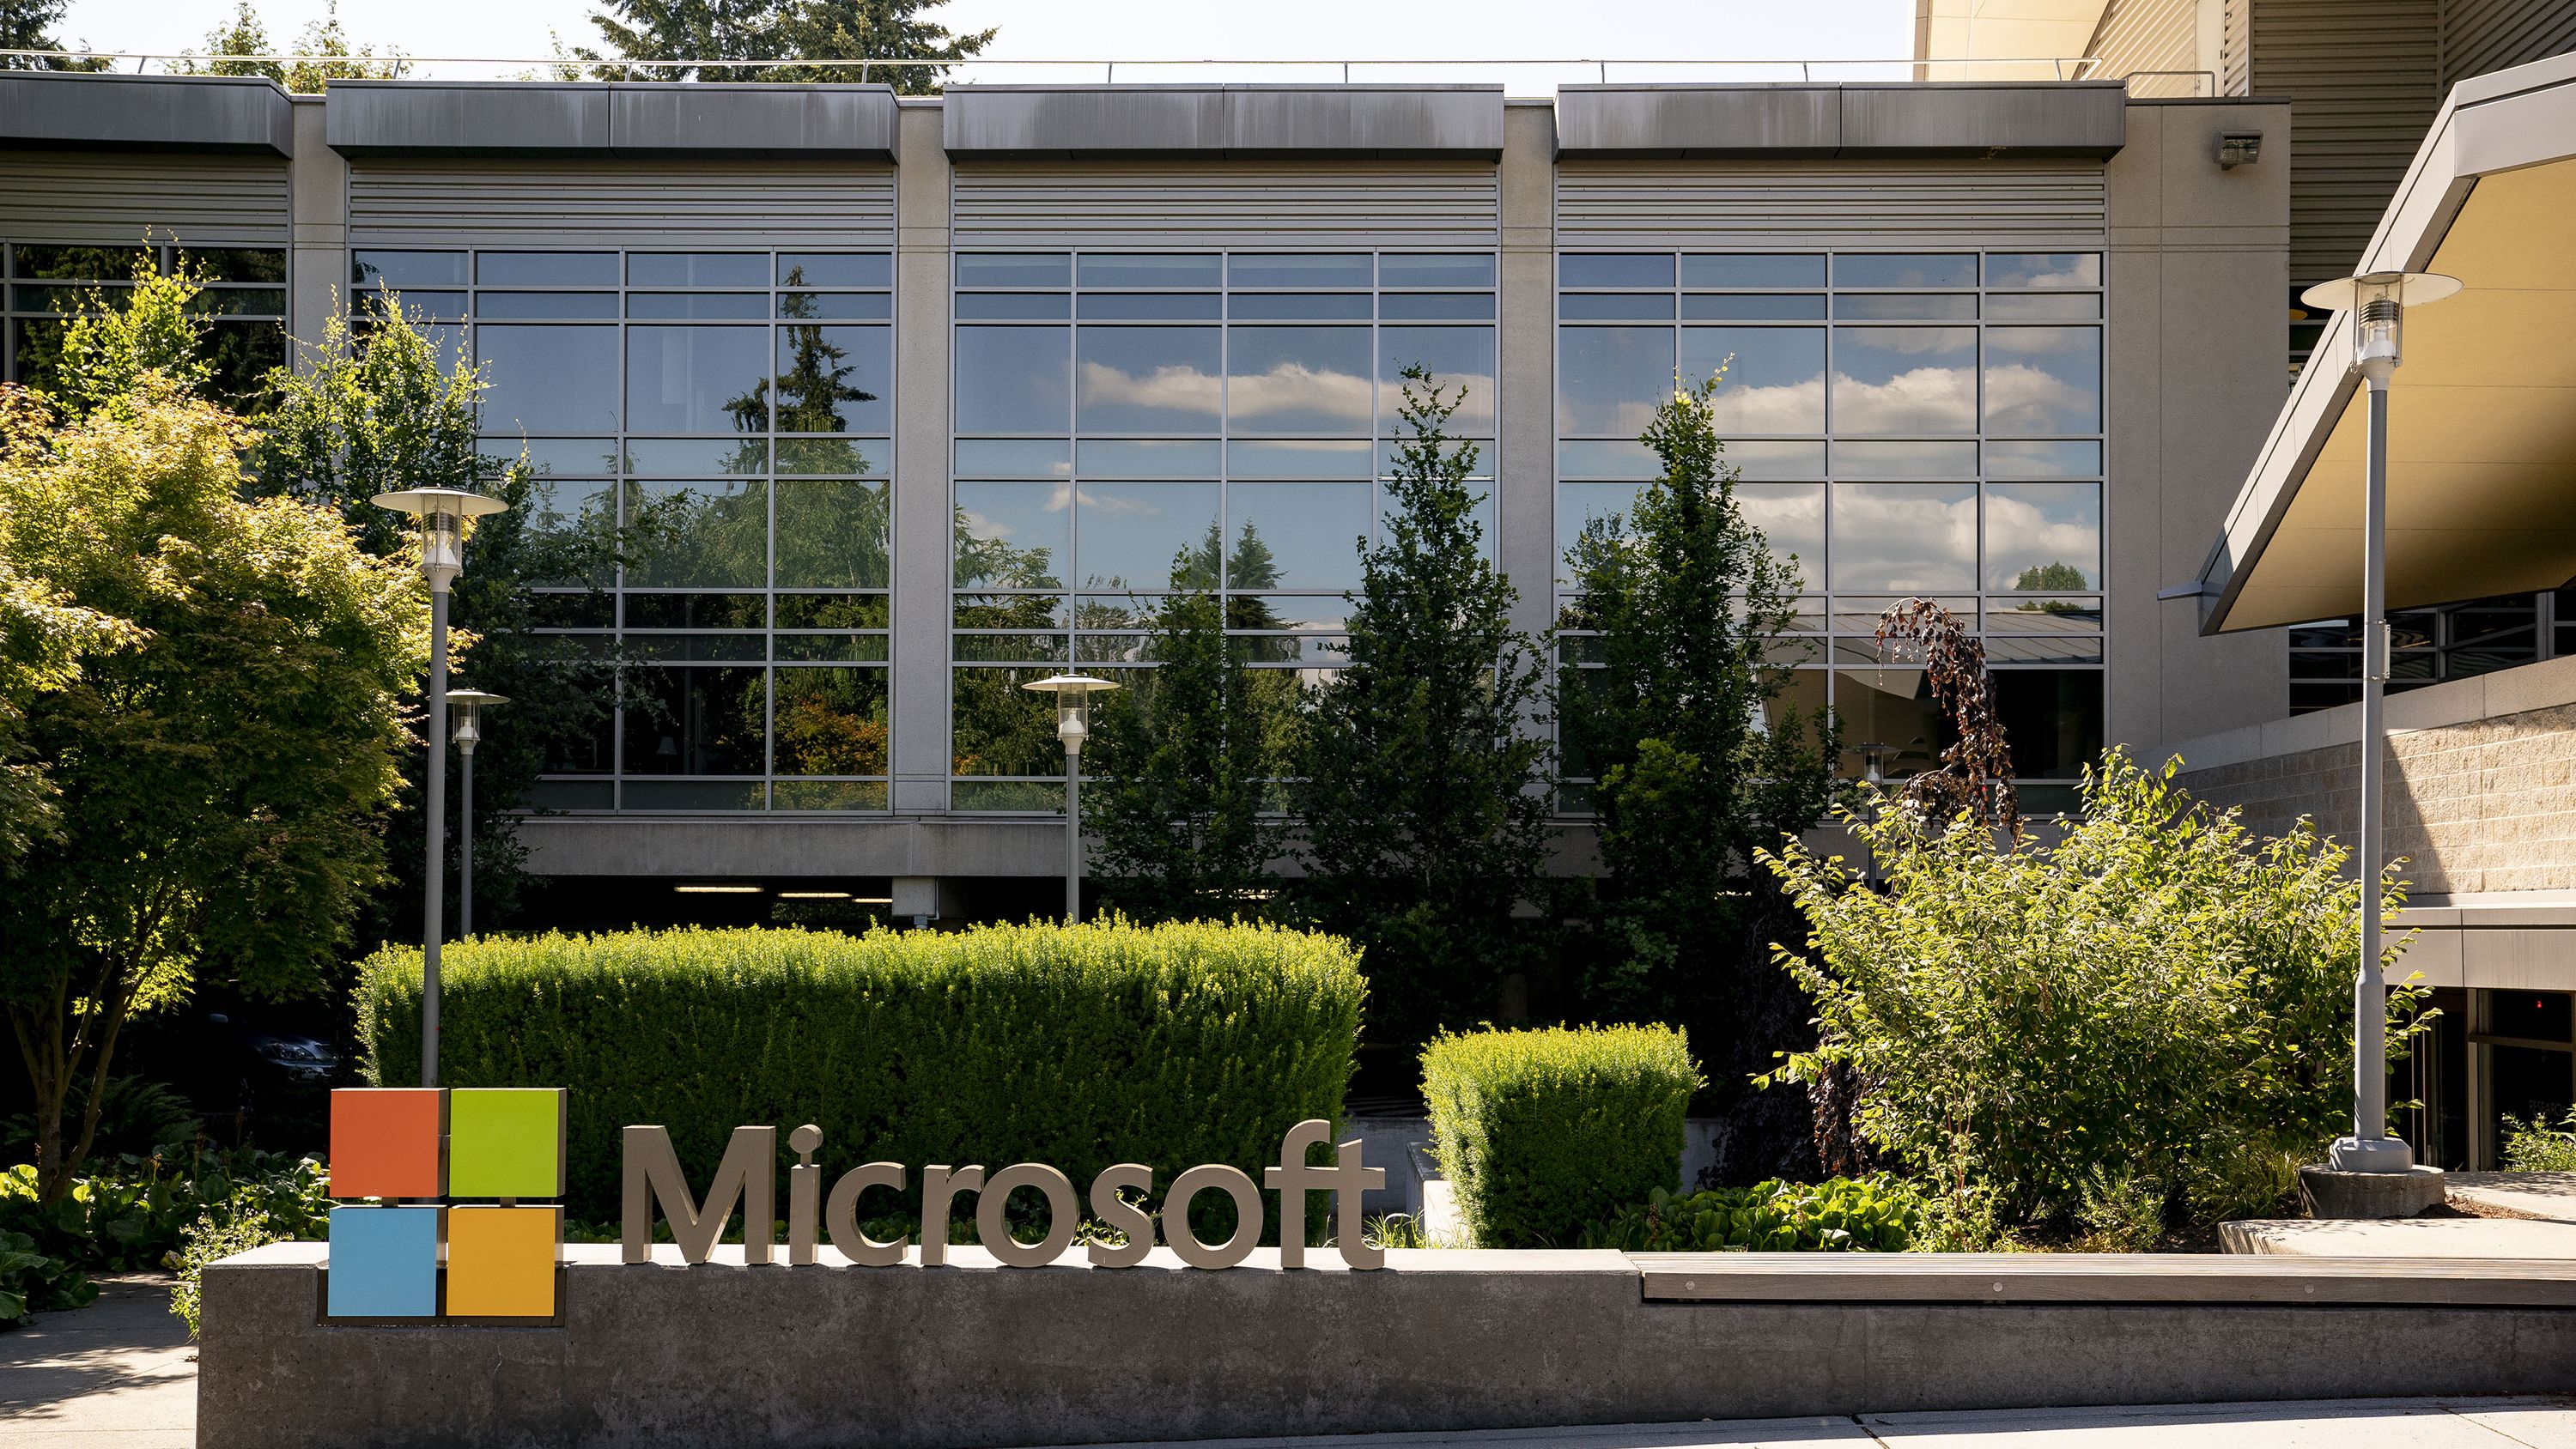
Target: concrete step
[{"x": 2401, "y": 1238}]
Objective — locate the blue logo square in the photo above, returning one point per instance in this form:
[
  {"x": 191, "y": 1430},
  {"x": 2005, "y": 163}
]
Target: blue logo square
[{"x": 384, "y": 1262}]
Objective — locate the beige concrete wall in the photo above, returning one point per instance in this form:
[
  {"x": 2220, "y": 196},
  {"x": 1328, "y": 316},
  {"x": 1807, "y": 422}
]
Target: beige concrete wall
[{"x": 2197, "y": 368}]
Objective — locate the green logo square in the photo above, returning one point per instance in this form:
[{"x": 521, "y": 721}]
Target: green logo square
[{"x": 505, "y": 1142}]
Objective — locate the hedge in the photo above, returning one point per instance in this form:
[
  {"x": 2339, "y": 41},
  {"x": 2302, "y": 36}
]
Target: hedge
[
  {"x": 1541, "y": 1133},
  {"x": 1077, "y": 1046}
]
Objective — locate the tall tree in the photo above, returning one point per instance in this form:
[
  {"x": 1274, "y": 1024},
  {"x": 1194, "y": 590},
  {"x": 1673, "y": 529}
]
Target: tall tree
[
  {"x": 1698, "y": 759},
  {"x": 219, "y": 780},
  {"x": 371, "y": 411},
  {"x": 29, "y": 25},
  {"x": 784, "y": 32},
  {"x": 241, "y": 46},
  {"x": 1423, "y": 790},
  {"x": 1186, "y": 755}
]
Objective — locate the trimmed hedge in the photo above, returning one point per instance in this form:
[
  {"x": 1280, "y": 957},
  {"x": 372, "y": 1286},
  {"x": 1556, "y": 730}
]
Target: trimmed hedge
[
  {"x": 1544, "y": 1132},
  {"x": 1074, "y": 1046}
]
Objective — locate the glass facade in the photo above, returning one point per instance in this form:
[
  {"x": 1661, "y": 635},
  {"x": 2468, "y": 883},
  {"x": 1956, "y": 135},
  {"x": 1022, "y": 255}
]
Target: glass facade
[
  {"x": 1127, "y": 422},
  {"x": 1904, "y": 424},
  {"x": 733, "y": 412},
  {"x": 244, "y": 304},
  {"x": 2455, "y": 641}
]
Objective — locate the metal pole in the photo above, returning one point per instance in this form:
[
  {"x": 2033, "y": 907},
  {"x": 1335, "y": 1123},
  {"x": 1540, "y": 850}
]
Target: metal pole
[
  {"x": 2369, "y": 995},
  {"x": 1072, "y": 834},
  {"x": 465, "y": 849},
  {"x": 436, "y": 806}
]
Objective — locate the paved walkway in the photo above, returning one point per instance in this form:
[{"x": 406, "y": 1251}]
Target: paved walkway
[{"x": 119, "y": 1374}]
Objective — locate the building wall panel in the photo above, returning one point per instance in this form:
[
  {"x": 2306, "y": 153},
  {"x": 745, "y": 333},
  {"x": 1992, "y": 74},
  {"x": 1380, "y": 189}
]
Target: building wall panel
[
  {"x": 554, "y": 203},
  {"x": 1382, "y": 204},
  {"x": 2363, "y": 78},
  {"x": 202, "y": 200},
  {"x": 2479, "y": 36},
  {"x": 2038, "y": 205},
  {"x": 2154, "y": 44}
]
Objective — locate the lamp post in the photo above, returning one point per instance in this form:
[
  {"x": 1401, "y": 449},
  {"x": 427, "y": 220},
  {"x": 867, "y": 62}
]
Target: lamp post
[
  {"x": 1073, "y": 726},
  {"x": 2379, "y": 301},
  {"x": 469, "y": 705},
  {"x": 442, "y": 513}
]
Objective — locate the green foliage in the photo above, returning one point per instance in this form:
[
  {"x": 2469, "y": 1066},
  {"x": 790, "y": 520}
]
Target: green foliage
[
  {"x": 32, "y": 1282},
  {"x": 2535, "y": 1146},
  {"x": 273, "y": 1208},
  {"x": 2150, "y": 1001},
  {"x": 219, "y": 781},
  {"x": 1423, "y": 789},
  {"x": 106, "y": 356},
  {"x": 29, "y": 25},
  {"x": 1876, "y": 1214},
  {"x": 2063, "y": 578},
  {"x": 784, "y": 31},
  {"x": 137, "y": 1117},
  {"x": 1076, "y": 1046},
  {"x": 232, "y": 46},
  {"x": 1541, "y": 1132},
  {"x": 129, "y": 1215},
  {"x": 1184, "y": 756}
]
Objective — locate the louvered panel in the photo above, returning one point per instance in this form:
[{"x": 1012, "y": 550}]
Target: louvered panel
[
  {"x": 2362, "y": 78},
  {"x": 2037, "y": 205},
  {"x": 2153, "y": 41},
  {"x": 2235, "y": 50},
  {"x": 555, "y": 203},
  {"x": 203, "y": 200},
  {"x": 1247, "y": 203},
  {"x": 2479, "y": 36}
]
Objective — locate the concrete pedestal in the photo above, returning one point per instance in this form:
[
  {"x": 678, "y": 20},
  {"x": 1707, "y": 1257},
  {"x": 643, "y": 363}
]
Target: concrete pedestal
[{"x": 2331, "y": 1194}]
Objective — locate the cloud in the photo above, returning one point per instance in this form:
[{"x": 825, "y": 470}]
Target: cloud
[
  {"x": 2022, "y": 534},
  {"x": 1173, "y": 389},
  {"x": 2021, "y": 398},
  {"x": 1918, "y": 400},
  {"x": 1787, "y": 407},
  {"x": 1904, "y": 538}
]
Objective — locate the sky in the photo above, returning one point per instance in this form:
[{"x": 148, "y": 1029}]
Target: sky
[{"x": 1132, "y": 31}]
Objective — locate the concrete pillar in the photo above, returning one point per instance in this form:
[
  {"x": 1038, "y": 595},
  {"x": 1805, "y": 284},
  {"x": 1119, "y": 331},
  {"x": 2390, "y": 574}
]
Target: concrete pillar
[
  {"x": 1526, "y": 333},
  {"x": 921, "y": 461},
  {"x": 920, "y": 896},
  {"x": 318, "y": 201}
]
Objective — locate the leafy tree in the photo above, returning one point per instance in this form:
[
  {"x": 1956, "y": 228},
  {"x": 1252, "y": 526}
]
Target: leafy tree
[
  {"x": 2050, "y": 578},
  {"x": 785, "y": 32},
  {"x": 1699, "y": 763},
  {"x": 219, "y": 780},
  {"x": 1423, "y": 789},
  {"x": 2152, "y": 1006},
  {"x": 233, "y": 48},
  {"x": 1185, "y": 756},
  {"x": 373, "y": 411},
  {"x": 104, "y": 357},
  {"x": 29, "y": 25}
]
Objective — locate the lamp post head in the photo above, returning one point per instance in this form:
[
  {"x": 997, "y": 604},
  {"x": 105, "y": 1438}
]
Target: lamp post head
[
  {"x": 469, "y": 705},
  {"x": 1072, "y": 705},
  {"x": 442, "y": 513},
  {"x": 2379, "y": 300}
]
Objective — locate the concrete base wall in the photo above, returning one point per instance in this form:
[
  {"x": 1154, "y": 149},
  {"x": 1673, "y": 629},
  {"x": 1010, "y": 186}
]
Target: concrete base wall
[{"x": 972, "y": 1354}]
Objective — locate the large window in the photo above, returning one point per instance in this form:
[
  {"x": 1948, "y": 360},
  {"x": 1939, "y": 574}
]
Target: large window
[
  {"x": 733, "y": 411},
  {"x": 1128, "y": 422},
  {"x": 243, "y": 304},
  {"x": 1915, "y": 424},
  {"x": 2454, "y": 641}
]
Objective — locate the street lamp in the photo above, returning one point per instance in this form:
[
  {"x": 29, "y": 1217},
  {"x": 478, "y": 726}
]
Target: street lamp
[
  {"x": 2378, "y": 301},
  {"x": 1073, "y": 726},
  {"x": 442, "y": 513},
  {"x": 469, "y": 705}
]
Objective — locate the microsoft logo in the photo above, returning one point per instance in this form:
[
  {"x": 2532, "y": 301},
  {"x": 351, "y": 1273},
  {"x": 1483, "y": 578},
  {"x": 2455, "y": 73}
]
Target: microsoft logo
[{"x": 414, "y": 1255}]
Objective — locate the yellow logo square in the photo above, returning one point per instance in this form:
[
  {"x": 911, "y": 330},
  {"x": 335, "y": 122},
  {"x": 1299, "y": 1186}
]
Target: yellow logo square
[{"x": 501, "y": 1261}]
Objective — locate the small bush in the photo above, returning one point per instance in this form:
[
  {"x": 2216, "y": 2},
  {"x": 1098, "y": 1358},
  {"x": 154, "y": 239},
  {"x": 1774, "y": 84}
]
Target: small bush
[
  {"x": 1845, "y": 1215},
  {"x": 129, "y": 1214},
  {"x": 32, "y": 1282},
  {"x": 1541, "y": 1132},
  {"x": 2535, "y": 1146},
  {"x": 1077, "y": 1046}
]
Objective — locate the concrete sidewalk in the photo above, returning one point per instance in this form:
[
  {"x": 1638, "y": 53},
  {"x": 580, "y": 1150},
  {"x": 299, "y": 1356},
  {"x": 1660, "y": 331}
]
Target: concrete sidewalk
[{"x": 119, "y": 1374}]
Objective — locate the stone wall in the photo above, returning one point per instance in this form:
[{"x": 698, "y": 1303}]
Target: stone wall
[{"x": 2479, "y": 803}]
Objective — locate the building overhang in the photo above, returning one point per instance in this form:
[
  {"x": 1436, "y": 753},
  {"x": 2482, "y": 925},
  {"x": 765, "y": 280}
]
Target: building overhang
[
  {"x": 1204, "y": 121},
  {"x": 1845, "y": 120},
  {"x": 619, "y": 118},
  {"x": 2482, "y": 415},
  {"x": 82, "y": 111}
]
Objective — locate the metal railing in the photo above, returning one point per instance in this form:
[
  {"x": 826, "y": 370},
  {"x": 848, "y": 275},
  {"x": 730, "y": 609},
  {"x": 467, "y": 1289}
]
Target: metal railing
[{"x": 1348, "y": 71}]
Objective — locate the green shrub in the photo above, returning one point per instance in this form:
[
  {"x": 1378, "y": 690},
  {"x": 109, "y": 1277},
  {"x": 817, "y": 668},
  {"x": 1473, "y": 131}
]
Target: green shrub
[
  {"x": 32, "y": 1282},
  {"x": 1080, "y": 1046},
  {"x": 2151, "y": 1003},
  {"x": 1876, "y": 1214},
  {"x": 2535, "y": 1146},
  {"x": 129, "y": 1214},
  {"x": 1541, "y": 1132}
]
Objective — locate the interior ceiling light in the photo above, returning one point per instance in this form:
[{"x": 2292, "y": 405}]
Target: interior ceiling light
[
  {"x": 813, "y": 895},
  {"x": 717, "y": 890}
]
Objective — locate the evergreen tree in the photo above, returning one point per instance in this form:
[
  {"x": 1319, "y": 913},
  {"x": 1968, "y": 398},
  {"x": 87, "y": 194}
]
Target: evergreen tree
[
  {"x": 785, "y": 32},
  {"x": 29, "y": 25},
  {"x": 1423, "y": 791},
  {"x": 1698, "y": 764},
  {"x": 1184, "y": 755}
]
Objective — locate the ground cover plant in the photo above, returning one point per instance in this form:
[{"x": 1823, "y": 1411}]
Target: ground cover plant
[
  {"x": 1080, "y": 1046},
  {"x": 1879, "y": 1213},
  {"x": 2147, "y": 1006},
  {"x": 2536, "y": 1146},
  {"x": 1541, "y": 1132}
]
